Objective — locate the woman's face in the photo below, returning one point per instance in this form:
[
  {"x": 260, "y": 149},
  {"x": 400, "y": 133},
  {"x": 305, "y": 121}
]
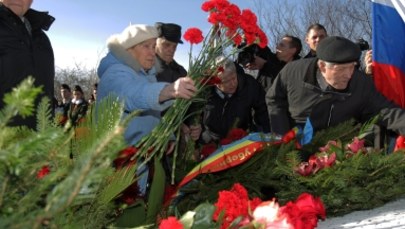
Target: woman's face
[
  {"x": 77, "y": 95},
  {"x": 144, "y": 53}
]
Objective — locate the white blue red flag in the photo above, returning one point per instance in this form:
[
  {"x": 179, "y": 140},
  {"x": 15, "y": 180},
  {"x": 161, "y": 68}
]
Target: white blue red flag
[{"x": 389, "y": 48}]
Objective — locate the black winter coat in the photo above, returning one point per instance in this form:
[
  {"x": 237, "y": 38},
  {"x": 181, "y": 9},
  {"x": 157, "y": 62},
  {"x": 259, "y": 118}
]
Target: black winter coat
[
  {"x": 245, "y": 109},
  {"x": 296, "y": 95},
  {"x": 22, "y": 55},
  {"x": 270, "y": 70},
  {"x": 170, "y": 72}
]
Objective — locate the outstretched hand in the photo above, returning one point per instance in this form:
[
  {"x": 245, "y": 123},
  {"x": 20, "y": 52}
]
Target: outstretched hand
[{"x": 184, "y": 88}]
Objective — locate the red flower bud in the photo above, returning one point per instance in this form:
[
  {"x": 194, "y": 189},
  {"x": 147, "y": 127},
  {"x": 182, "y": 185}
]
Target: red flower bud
[{"x": 43, "y": 172}]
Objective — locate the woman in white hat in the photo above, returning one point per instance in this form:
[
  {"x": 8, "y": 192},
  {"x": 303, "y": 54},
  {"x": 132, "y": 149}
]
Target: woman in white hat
[{"x": 129, "y": 72}]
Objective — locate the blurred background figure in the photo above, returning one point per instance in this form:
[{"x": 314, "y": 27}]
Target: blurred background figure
[
  {"x": 93, "y": 95},
  {"x": 315, "y": 33},
  {"x": 269, "y": 64},
  {"x": 78, "y": 107},
  {"x": 61, "y": 112}
]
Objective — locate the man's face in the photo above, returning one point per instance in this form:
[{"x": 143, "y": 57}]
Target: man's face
[
  {"x": 284, "y": 51},
  {"x": 337, "y": 75},
  {"x": 229, "y": 82},
  {"x": 19, "y": 7},
  {"x": 165, "y": 49},
  {"x": 66, "y": 94},
  {"x": 314, "y": 37}
]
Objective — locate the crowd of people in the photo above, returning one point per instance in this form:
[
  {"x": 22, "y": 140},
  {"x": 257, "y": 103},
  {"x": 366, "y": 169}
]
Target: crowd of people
[{"x": 326, "y": 86}]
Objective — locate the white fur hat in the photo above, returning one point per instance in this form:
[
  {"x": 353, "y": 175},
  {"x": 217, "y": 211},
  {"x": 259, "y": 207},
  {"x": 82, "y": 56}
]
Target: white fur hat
[{"x": 133, "y": 35}]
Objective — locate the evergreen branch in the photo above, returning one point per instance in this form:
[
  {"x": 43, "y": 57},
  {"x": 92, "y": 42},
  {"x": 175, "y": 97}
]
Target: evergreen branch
[
  {"x": 119, "y": 181},
  {"x": 367, "y": 127},
  {"x": 86, "y": 169},
  {"x": 21, "y": 100},
  {"x": 44, "y": 114},
  {"x": 3, "y": 189},
  {"x": 387, "y": 166}
]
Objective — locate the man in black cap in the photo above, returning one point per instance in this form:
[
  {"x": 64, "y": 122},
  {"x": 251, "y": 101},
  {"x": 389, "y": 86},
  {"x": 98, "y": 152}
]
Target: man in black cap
[
  {"x": 328, "y": 90},
  {"x": 166, "y": 45}
]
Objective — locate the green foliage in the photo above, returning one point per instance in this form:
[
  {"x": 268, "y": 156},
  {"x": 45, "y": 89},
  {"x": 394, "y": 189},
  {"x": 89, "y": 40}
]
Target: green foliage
[
  {"x": 68, "y": 197},
  {"x": 355, "y": 182}
]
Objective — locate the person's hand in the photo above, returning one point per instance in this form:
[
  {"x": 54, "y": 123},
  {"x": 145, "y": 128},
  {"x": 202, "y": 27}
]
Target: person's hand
[
  {"x": 181, "y": 88},
  {"x": 194, "y": 131},
  {"x": 184, "y": 88},
  {"x": 257, "y": 64},
  {"x": 368, "y": 61}
]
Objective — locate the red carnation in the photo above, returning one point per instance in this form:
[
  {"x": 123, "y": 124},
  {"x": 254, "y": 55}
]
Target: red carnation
[
  {"x": 400, "y": 143},
  {"x": 237, "y": 39},
  {"x": 124, "y": 156},
  {"x": 306, "y": 210},
  {"x": 211, "y": 81},
  {"x": 289, "y": 136},
  {"x": 262, "y": 39},
  {"x": 193, "y": 35},
  {"x": 171, "y": 223},
  {"x": 225, "y": 141},
  {"x": 234, "y": 203},
  {"x": 357, "y": 145},
  {"x": 207, "y": 150},
  {"x": 236, "y": 134},
  {"x": 304, "y": 169},
  {"x": 43, "y": 172},
  {"x": 208, "y": 6}
]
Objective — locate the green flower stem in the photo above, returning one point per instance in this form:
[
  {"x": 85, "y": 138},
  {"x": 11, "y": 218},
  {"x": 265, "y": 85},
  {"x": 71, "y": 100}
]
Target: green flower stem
[{"x": 156, "y": 142}]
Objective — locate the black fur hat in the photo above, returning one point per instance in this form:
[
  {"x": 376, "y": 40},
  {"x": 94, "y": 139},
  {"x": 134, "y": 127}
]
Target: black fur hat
[{"x": 170, "y": 31}]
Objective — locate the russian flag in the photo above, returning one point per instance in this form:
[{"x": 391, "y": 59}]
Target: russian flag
[{"x": 389, "y": 49}]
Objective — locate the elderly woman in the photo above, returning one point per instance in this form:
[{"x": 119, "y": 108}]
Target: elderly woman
[{"x": 129, "y": 72}]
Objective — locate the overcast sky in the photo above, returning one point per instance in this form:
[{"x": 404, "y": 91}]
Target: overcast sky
[{"x": 82, "y": 27}]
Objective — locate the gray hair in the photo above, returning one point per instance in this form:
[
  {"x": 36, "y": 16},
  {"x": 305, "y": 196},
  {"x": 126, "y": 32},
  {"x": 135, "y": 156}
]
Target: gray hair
[
  {"x": 327, "y": 64},
  {"x": 226, "y": 63}
]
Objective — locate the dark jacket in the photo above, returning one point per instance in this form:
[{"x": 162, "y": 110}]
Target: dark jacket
[
  {"x": 77, "y": 112},
  {"x": 22, "y": 54},
  {"x": 310, "y": 55},
  {"x": 245, "y": 109},
  {"x": 170, "y": 72},
  {"x": 270, "y": 70},
  {"x": 296, "y": 95}
]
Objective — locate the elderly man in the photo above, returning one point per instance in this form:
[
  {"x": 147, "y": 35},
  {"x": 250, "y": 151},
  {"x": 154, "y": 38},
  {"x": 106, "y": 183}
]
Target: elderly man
[
  {"x": 328, "y": 90},
  {"x": 166, "y": 45},
  {"x": 24, "y": 50},
  {"x": 237, "y": 102}
]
